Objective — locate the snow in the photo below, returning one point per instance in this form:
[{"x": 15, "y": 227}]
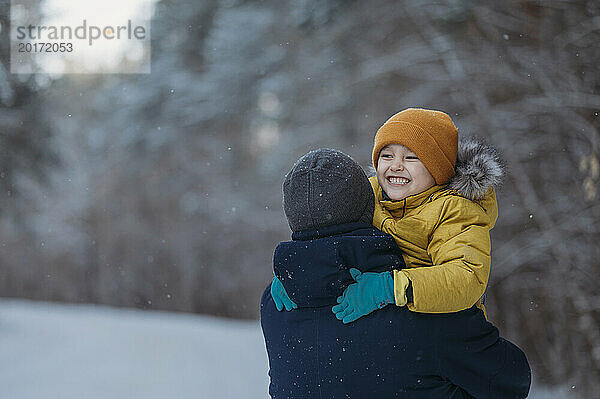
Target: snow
[{"x": 50, "y": 350}]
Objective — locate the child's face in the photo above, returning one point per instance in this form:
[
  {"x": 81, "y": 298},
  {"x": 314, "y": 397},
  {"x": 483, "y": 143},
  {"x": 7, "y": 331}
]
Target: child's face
[{"x": 400, "y": 172}]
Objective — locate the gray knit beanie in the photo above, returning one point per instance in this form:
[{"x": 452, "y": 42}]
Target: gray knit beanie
[{"x": 326, "y": 187}]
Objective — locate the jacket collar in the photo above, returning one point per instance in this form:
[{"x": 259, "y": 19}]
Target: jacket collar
[
  {"x": 327, "y": 231},
  {"x": 409, "y": 202}
]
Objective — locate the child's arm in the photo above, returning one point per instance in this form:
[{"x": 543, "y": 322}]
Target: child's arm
[{"x": 459, "y": 248}]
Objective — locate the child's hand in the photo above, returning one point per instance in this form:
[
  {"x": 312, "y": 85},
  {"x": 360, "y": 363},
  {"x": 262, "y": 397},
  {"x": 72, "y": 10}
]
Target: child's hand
[
  {"x": 371, "y": 291},
  {"x": 281, "y": 297}
]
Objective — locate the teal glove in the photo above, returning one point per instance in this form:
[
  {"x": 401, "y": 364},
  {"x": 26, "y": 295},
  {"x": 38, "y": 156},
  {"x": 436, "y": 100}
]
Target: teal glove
[
  {"x": 281, "y": 297},
  {"x": 371, "y": 291}
]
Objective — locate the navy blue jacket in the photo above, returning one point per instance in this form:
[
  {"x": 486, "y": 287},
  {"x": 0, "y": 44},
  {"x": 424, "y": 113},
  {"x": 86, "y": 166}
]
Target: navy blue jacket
[{"x": 390, "y": 353}]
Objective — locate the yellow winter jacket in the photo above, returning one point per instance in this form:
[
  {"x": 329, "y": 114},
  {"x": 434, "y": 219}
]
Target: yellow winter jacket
[{"x": 445, "y": 239}]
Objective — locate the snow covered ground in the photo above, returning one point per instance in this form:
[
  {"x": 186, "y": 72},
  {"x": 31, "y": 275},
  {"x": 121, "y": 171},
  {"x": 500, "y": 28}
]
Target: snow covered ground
[{"x": 50, "y": 351}]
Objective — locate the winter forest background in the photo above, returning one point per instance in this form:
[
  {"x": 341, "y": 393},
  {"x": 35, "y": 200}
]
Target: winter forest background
[{"x": 163, "y": 191}]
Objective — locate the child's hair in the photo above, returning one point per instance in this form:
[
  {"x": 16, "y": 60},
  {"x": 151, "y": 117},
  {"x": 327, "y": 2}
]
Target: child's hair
[
  {"x": 326, "y": 187},
  {"x": 430, "y": 134}
]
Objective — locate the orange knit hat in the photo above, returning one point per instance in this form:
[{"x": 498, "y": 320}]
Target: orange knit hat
[{"x": 430, "y": 134}]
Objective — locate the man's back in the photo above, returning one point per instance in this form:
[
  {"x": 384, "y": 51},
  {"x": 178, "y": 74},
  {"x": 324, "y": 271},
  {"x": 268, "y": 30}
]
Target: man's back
[
  {"x": 313, "y": 355},
  {"x": 389, "y": 353}
]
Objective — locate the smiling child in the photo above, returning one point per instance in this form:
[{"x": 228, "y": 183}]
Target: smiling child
[{"x": 439, "y": 210}]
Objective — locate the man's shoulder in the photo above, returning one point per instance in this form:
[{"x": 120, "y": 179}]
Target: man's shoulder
[
  {"x": 356, "y": 240},
  {"x": 335, "y": 232},
  {"x": 373, "y": 249},
  {"x": 360, "y": 233},
  {"x": 366, "y": 231},
  {"x": 369, "y": 235}
]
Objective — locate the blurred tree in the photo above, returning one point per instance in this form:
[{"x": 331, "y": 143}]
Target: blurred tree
[{"x": 24, "y": 133}]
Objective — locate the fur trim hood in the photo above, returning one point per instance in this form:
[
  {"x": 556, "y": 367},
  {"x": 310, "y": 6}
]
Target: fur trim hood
[{"x": 479, "y": 166}]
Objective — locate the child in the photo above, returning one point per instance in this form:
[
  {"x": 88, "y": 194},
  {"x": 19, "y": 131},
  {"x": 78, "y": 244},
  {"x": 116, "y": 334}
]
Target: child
[
  {"x": 392, "y": 353},
  {"x": 438, "y": 210}
]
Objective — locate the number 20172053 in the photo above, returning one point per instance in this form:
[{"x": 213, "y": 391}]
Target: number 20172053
[{"x": 45, "y": 47}]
